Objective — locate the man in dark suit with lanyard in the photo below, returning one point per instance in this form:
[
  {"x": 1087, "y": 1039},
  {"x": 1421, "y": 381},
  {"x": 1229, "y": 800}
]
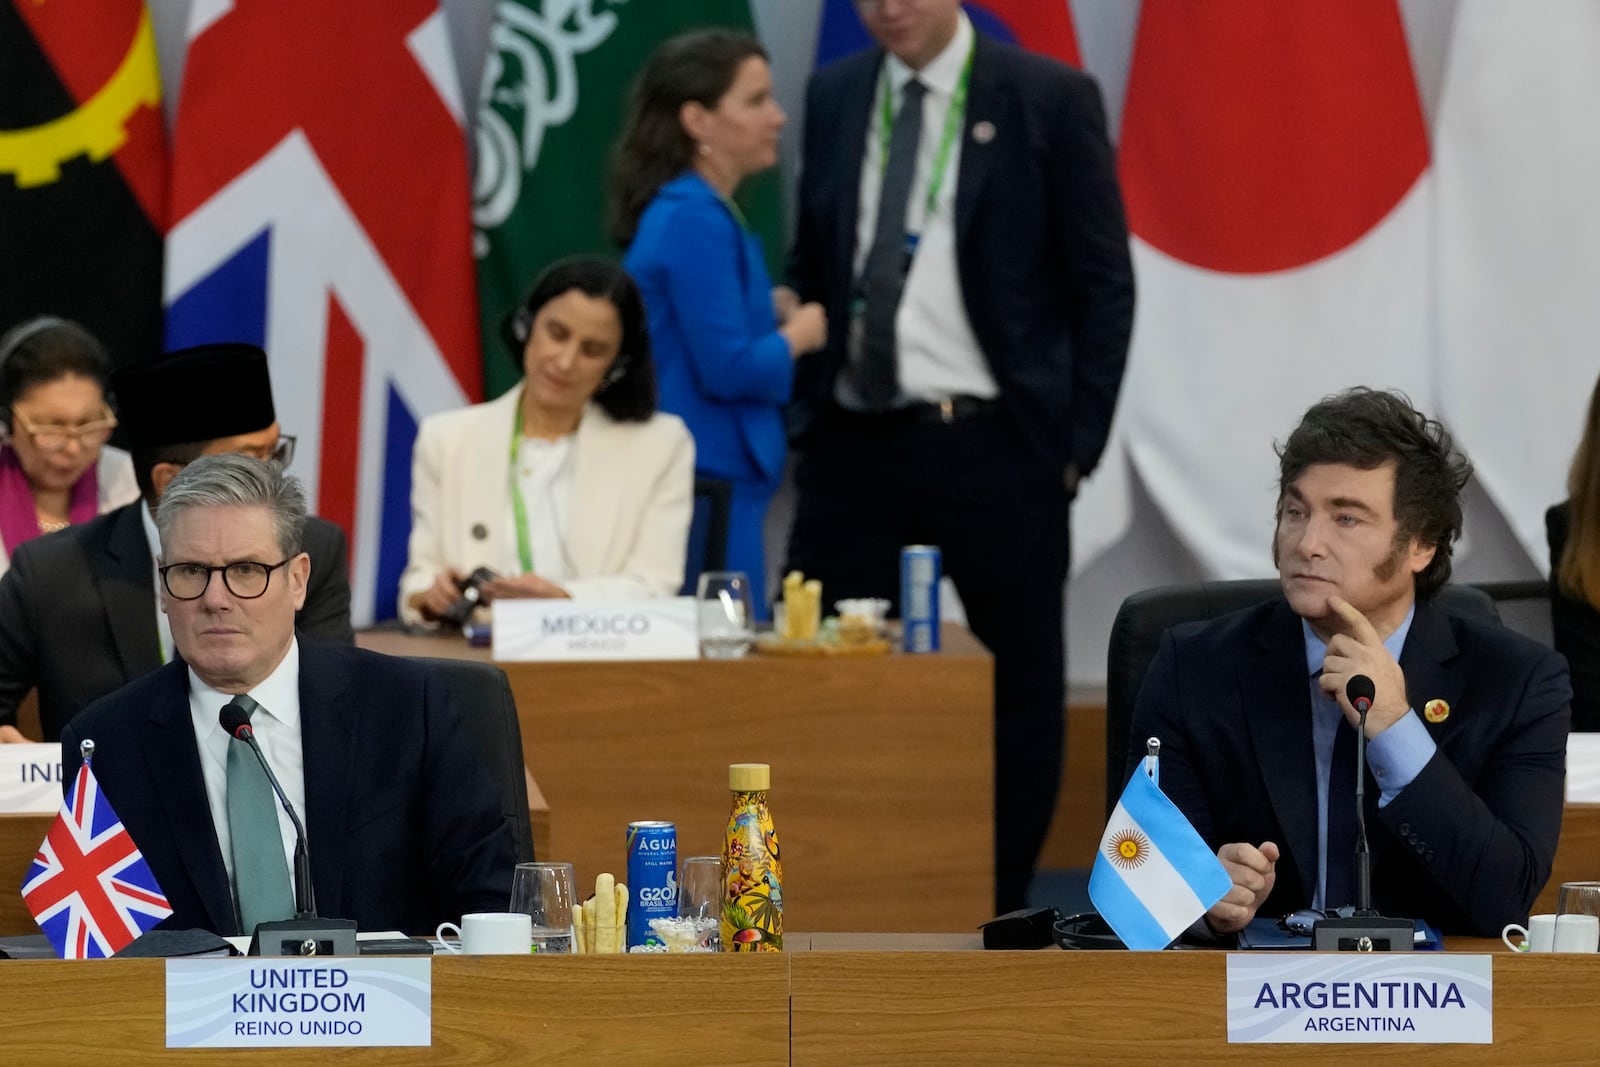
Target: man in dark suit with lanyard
[{"x": 959, "y": 210}]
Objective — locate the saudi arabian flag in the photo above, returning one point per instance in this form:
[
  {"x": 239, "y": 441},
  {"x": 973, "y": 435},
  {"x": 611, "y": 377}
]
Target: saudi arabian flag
[{"x": 555, "y": 89}]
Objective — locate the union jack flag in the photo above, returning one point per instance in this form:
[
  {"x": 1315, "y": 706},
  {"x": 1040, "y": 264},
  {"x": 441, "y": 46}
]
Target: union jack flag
[
  {"x": 89, "y": 888},
  {"x": 328, "y": 220}
]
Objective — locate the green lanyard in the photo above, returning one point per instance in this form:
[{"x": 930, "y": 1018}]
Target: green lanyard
[
  {"x": 953, "y": 117},
  {"x": 733, "y": 209},
  {"x": 519, "y": 507}
]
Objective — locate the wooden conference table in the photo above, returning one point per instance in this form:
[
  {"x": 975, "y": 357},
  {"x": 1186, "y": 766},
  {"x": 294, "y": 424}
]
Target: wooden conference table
[
  {"x": 837, "y": 998},
  {"x": 882, "y": 769}
]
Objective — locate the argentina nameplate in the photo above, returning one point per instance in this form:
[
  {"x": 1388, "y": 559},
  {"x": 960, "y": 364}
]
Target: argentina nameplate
[{"x": 1342, "y": 997}]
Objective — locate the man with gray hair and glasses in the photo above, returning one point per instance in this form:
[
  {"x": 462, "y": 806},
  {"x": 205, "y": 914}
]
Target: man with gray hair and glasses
[
  {"x": 78, "y": 615},
  {"x": 402, "y": 820}
]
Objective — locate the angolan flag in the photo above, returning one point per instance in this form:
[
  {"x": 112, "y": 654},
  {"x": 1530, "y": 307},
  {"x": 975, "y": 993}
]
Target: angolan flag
[
  {"x": 319, "y": 183},
  {"x": 82, "y": 169}
]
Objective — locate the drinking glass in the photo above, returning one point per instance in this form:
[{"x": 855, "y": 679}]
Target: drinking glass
[
  {"x": 1579, "y": 898},
  {"x": 700, "y": 896},
  {"x": 544, "y": 892},
  {"x": 722, "y": 601}
]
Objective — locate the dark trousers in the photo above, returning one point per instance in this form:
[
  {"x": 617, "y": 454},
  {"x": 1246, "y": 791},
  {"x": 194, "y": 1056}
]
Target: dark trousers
[{"x": 871, "y": 484}]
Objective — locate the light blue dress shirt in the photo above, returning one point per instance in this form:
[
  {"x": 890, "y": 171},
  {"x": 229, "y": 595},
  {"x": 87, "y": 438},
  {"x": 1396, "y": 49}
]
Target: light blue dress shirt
[{"x": 1396, "y": 756}]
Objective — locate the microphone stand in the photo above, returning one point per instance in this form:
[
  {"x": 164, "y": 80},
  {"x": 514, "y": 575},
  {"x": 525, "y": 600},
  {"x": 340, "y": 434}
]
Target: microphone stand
[
  {"x": 306, "y": 934},
  {"x": 1366, "y": 930}
]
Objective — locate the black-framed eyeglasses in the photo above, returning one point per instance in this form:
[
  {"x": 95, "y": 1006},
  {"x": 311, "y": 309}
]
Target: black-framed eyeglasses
[
  {"x": 245, "y": 579},
  {"x": 1300, "y": 922},
  {"x": 282, "y": 453}
]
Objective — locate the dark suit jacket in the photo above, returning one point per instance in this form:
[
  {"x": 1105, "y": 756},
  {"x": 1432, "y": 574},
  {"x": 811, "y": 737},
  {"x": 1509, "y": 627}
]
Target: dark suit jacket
[
  {"x": 1575, "y": 625},
  {"x": 78, "y": 612},
  {"x": 1467, "y": 845},
  {"x": 401, "y": 816},
  {"x": 1041, "y": 239}
]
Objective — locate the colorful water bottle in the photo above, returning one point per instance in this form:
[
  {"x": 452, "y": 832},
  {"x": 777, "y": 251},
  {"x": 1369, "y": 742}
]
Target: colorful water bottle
[{"x": 752, "y": 876}]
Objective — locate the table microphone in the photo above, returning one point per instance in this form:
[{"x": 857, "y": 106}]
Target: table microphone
[
  {"x": 236, "y": 721},
  {"x": 306, "y": 934},
  {"x": 1360, "y": 690},
  {"x": 1365, "y": 930}
]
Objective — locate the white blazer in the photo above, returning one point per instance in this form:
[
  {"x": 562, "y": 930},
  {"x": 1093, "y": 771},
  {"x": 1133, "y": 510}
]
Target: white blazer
[
  {"x": 632, "y": 501},
  {"x": 114, "y": 475}
]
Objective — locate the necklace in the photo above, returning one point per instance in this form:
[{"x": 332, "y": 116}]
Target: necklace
[{"x": 52, "y": 527}]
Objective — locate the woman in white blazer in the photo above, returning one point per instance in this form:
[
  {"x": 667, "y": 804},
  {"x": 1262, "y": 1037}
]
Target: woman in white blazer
[
  {"x": 55, "y": 466},
  {"x": 569, "y": 485}
]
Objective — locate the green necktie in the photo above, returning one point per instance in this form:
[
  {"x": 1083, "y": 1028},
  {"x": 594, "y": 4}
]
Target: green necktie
[{"x": 260, "y": 873}]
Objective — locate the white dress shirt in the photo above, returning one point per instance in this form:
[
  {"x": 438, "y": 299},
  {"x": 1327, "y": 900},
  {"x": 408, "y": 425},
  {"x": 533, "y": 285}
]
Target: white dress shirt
[
  {"x": 152, "y": 538},
  {"x": 544, "y": 474},
  {"x": 938, "y": 353},
  {"x": 277, "y": 729}
]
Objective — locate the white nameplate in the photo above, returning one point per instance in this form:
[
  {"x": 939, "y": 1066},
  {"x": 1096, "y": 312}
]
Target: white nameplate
[
  {"x": 282, "y": 1003},
  {"x": 1583, "y": 768},
  {"x": 30, "y": 778},
  {"x": 578, "y": 630},
  {"x": 1351, "y": 998}
]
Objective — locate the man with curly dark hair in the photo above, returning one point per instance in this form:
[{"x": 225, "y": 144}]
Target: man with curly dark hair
[{"x": 1467, "y": 725}]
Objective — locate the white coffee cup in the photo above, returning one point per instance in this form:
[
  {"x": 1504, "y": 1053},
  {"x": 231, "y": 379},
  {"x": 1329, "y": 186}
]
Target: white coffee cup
[
  {"x": 1538, "y": 936},
  {"x": 1577, "y": 933},
  {"x": 490, "y": 933}
]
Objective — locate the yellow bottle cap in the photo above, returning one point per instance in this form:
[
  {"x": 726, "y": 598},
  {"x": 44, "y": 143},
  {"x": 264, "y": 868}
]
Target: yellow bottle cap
[{"x": 749, "y": 777}]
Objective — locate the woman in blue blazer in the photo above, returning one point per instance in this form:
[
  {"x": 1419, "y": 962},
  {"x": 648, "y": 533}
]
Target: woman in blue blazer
[{"x": 702, "y": 119}]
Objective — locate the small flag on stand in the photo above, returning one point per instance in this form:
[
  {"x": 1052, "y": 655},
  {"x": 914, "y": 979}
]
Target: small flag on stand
[
  {"x": 89, "y": 888},
  {"x": 1154, "y": 875}
]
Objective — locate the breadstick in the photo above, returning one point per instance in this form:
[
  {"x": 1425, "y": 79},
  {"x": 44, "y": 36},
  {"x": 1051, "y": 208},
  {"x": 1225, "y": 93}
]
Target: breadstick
[{"x": 605, "y": 906}]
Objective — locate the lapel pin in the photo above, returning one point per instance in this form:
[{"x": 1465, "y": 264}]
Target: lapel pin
[
  {"x": 1436, "y": 711},
  {"x": 480, "y": 532},
  {"x": 983, "y": 132}
]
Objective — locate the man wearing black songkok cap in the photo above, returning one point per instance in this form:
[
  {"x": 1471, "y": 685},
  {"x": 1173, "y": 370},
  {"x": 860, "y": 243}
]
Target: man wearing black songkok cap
[{"x": 78, "y": 614}]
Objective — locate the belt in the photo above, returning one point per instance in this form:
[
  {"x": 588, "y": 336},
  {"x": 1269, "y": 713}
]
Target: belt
[{"x": 933, "y": 412}]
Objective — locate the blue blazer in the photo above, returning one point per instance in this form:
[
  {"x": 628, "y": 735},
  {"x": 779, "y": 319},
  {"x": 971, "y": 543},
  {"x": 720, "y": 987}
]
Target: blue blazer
[
  {"x": 722, "y": 365},
  {"x": 1467, "y": 845},
  {"x": 1041, "y": 240},
  {"x": 402, "y": 817}
]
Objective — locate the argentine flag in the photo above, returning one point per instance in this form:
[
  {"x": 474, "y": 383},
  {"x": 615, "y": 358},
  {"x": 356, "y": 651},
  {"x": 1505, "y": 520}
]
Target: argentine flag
[{"x": 1153, "y": 876}]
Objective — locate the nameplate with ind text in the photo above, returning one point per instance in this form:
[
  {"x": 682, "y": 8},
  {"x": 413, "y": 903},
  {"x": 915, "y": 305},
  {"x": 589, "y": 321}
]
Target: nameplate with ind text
[
  {"x": 1422, "y": 998},
  {"x": 574, "y": 630},
  {"x": 284, "y": 1003},
  {"x": 30, "y": 778}
]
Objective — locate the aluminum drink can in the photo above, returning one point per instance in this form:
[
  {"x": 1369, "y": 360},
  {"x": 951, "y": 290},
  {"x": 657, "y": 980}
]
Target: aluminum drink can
[
  {"x": 919, "y": 597},
  {"x": 652, "y": 878}
]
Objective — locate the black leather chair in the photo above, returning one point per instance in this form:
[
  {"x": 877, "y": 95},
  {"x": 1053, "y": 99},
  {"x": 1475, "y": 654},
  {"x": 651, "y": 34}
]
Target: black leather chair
[
  {"x": 708, "y": 530},
  {"x": 1146, "y": 615},
  {"x": 484, "y": 696}
]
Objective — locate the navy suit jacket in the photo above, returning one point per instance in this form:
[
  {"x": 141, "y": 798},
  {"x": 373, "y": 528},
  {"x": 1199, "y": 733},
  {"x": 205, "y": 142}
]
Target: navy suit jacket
[
  {"x": 1467, "y": 845},
  {"x": 401, "y": 816},
  {"x": 78, "y": 612},
  {"x": 1041, "y": 239}
]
